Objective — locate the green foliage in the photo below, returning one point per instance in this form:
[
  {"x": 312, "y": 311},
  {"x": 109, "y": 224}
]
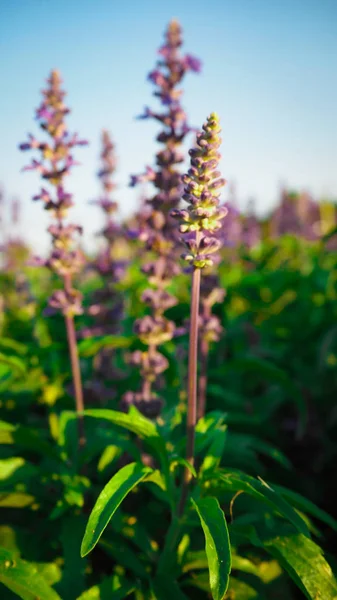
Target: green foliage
[
  {"x": 109, "y": 500},
  {"x": 218, "y": 550},
  {"x": 303, "y": 560},
  {"x": 263, "y": 476},
  {"x": 26, "y": 580}
]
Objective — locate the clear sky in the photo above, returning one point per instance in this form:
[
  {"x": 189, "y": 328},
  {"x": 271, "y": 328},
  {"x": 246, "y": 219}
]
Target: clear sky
[{"x": 269, "y": 70}]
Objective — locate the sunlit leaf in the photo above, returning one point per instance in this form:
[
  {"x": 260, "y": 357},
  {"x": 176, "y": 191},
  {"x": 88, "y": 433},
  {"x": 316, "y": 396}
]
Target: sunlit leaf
[
  {"x": 218, "y": 549},
  {"x": 236, "y": 481},
  {"x": 24, "y": 579},
  {"x": 305, "y": 563},
  {"x": 109, "y": 500}
]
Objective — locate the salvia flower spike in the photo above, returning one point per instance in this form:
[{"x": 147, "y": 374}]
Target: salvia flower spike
[
  {"x": 107, "y": 306},
  {"x": 203, "y": 216},
  {"x": 66, "y": 259},
  {"x": 156, "y": 226},
  {"x": 198, "y": 223}
]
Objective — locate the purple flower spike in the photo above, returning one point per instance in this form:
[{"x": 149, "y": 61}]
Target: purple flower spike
[
  {"x": 66, "y": 260},
  {"x": 154, "y": 226},
  {"x": 55, "y": 163},
  {"x": 192, "y": 63},
  {"x": 108, "y": 304}
]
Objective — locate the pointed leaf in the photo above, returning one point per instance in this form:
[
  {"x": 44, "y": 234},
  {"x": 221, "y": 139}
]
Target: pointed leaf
[
  {"x": 166, "y": 589},
  {"x": 23, "y": 578},
  {"x": 306, "y": 565},
  {"x": 236, "y": 481},
  {"x": 218, "y": 550},
  {"x": 133, "y": 421},
  {"x": 27, "y": 438},
  {"x": 109, "y": 500},
  {"x": 306, "y": 506}
]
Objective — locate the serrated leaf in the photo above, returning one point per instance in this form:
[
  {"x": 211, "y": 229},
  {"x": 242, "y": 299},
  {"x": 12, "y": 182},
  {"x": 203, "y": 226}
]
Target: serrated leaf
[
  {"x": 109, "y": 500},
  {"x": 23, "y": 578},
  {"x": 218, "y": 549}
]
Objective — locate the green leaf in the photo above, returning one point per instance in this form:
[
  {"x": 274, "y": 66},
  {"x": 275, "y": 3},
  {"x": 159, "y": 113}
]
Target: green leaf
[
  {"x": 236, "y": 481},
  {"x": 218, "y": 550},
  {"x": 109, "y": 454},
  {"x": 13, "y": 345},
  {"x": 239, "y": 590},
  {"x": 8, "y": 466},
  {"x": 268, "y": 371},
  {"x": 195, "y": 560},
  {"x": 90, "y": 346},
  {"x": 109, "y": 500},
  {"x": 306, "y": 565},
  {"x": 14, "y": 363},
  {"x": 157, "y": 478},
  {"x": 23, "y": 578},
  {"x": 123, "y": 555},
  {"x": 306, "y": 506},
  {"x": 265, "y": 570},
  {"x": 111, "y": 588},
  {"x": 166, "y": 589},
  {"x": 74, "y": 567},
  {"x": 178, "y": 460},
  {"x": 15, "y": 499},
  {"x": 51, "y": 572},
  {"x": 214, "y": 453},
  {"x": 133, "y": 421},
  {"x": 26, "y": 438}
]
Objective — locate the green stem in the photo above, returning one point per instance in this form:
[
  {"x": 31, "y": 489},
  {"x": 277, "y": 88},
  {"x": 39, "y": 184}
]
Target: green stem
[
  {"x": 168, "y": 554},
  {"x": 192, "y": 385},
  {"x": 75, "y": 369}
]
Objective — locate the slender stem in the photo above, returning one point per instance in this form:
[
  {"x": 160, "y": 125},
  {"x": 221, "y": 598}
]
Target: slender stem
[
  {"x": 204, "y": 348},
  {"x": 192, "y": 384},
  {"x": 75, "y": 368},
  {"x": 168, "y": 555}
]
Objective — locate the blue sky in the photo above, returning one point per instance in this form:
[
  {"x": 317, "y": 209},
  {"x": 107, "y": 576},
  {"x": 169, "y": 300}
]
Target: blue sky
[{"x": 269, "y": 70}]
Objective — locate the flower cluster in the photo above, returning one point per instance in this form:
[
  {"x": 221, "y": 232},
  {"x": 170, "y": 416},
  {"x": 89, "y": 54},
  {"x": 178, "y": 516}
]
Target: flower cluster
[
  {"x": 55, "y": 163},
  {"x": 156, "y": 226},
  {"x": 107, "y": 303},
  {"x": 107, "y": 262},
  {"x": 170, "y": 70},
  {"x": 203, "y": 216},
  {"x": 210, "y": 294}
]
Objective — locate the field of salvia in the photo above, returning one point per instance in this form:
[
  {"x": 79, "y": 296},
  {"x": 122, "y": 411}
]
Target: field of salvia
[{"x": 168, "y": 403}]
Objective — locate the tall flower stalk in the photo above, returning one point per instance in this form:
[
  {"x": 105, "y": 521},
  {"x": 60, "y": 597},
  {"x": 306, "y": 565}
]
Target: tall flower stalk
[
  {"x": 157, "y": 228},
  {"x": 107, "y": 306},
  {"x": 65, "y": 259},
  {"x": 210, "y": 331},
  {"x": 199, "y": 222}
]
